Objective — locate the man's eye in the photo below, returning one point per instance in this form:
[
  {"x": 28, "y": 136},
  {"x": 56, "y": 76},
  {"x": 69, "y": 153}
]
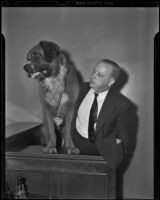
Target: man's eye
[{"x": 100, "y": 75}]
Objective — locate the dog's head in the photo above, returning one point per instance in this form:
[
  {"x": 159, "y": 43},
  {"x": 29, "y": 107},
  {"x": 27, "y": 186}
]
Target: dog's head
[{"x": 44, "y": 60}]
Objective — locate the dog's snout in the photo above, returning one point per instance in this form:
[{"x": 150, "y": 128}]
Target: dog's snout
[{"x": 26, "y": 67}]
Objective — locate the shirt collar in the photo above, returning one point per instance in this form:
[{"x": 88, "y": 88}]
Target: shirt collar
[{"x": 101, "y": 94}]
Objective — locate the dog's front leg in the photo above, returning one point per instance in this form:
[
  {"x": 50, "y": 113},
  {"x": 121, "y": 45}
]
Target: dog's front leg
[
  {"x": 50, "y": 135},
  {"x": 68, "y": 143}
]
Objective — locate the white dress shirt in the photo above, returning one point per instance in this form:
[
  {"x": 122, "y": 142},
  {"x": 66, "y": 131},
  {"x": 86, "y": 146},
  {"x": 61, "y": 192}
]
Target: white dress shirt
[{"x": 82, "y": 119}]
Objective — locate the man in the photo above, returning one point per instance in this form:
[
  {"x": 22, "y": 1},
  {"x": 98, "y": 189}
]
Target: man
[{"x": 100, "y": 124}]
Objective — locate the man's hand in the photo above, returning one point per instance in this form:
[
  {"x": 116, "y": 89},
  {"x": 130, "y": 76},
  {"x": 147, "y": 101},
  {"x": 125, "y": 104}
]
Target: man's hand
[
  {"x": 58, "y": 121},
  {"x": 118, "y": 141}
]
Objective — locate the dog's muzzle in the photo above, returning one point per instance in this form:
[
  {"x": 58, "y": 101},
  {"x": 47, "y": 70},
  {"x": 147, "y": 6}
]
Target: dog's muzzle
[
  {"x": 35, "y": 73},
  {"x": 29, "y": 69}
]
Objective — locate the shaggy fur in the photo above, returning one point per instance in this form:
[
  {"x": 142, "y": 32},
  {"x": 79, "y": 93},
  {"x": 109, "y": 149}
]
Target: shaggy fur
[{"x": 58, "y": 87}]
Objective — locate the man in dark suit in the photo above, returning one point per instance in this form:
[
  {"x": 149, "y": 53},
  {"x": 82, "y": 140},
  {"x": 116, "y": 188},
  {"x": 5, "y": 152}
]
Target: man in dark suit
[{"x": 107, "y": 132}]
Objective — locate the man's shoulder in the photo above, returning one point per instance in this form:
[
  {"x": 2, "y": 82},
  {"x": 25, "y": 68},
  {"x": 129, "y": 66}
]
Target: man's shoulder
[{"x": 122, "y": 99}]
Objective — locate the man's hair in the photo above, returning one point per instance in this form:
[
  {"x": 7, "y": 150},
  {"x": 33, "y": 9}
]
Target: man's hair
[{"x": 116, "y": 69}]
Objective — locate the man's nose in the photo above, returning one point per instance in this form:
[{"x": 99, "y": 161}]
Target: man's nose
[{"x": 93, "y": 76}]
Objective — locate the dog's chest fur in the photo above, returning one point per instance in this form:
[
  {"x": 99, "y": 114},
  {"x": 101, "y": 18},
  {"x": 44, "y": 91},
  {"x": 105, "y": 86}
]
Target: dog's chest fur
[{"x": 54, "y": 90}]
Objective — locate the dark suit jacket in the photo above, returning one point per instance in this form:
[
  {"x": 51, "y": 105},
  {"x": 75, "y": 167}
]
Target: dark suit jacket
[{"x": 113, "y": 122}]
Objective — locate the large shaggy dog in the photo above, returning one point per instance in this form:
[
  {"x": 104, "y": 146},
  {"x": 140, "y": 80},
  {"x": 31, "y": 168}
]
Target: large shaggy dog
[{"x": 59, "y": 88}]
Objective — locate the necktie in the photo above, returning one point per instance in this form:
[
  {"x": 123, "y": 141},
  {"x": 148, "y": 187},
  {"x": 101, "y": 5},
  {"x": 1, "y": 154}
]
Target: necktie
[{"x": 92, "y": 119}]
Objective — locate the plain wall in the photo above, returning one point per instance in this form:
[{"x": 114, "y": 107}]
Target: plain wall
[{"x": 124, "y": 35}]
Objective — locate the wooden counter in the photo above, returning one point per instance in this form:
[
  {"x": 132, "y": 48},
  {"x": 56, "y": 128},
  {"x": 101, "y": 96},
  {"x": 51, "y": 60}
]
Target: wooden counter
[{"x": 59, "y": 176}]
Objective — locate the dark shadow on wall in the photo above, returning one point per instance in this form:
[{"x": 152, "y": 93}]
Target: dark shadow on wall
[
  {"x": 70, "y": 61},
  {"x": 120, "y": 83},
  {"x": 121, "y": 80},
  {"x": 131, "y": 149}
]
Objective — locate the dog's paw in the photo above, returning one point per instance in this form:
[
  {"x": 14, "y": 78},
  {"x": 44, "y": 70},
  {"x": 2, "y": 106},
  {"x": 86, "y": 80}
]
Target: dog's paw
[
  {"x": 50, "y": 150},
  {"x": 74, "y": 151}
]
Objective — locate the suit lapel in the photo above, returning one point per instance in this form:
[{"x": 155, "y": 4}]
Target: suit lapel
[
  {"x": 106, "y": 110},
  {"x": 83, "y": 93}
]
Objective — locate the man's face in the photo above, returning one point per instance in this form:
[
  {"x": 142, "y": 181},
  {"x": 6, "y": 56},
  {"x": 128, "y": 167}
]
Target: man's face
[{"x": 101, "y": 77}]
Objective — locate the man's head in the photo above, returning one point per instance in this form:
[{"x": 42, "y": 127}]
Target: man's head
[{"x": 104, "y": 75}]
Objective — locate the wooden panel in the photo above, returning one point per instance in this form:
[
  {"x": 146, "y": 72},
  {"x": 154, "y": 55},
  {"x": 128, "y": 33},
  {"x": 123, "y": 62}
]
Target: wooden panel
[
  {"x": 54, "y": 185},
  {"x": 51, "y": 162},
  {"x": 82, "y": 185},
  {"x": 37, "y": 182}
]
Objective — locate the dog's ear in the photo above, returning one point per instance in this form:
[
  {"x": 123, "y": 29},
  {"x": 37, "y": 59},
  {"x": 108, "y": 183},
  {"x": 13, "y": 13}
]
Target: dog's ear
[{"x": 50, "y": 49}]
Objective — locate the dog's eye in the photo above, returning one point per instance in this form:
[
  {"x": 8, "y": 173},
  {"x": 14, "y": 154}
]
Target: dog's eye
[{"x": 36, "y": 55}]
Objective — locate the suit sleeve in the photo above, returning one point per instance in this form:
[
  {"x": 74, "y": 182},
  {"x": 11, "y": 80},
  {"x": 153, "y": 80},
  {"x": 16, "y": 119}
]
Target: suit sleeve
[{"x": 123, "y": 125}]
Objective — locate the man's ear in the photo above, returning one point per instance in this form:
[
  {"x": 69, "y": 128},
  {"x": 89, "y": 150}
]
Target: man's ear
[{"x": 112, "y": 81}]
